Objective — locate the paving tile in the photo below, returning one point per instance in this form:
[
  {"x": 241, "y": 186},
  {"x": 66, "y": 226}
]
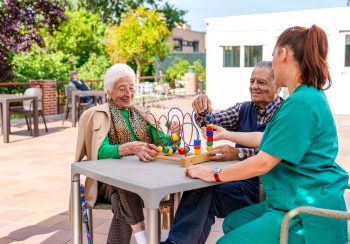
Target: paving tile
[
  {"x": 54, "y": 237},
  {"x": 15, "y": 214},
  {"x": 4, "y": 223},
  {"x": 6, "y": 241},
  {"x": 33, "y": 231},
  {"x": 213, "y": 237},
  {"x": 103, "y": 228}
]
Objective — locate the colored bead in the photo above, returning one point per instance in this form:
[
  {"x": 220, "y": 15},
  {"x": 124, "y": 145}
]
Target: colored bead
[
  {"x": 179, "y": 142},
  {"x": 160, "y": 148},
  {"x": 182, "y": 150},
  {"x": 165, "y": 150},
  {"x": 210, "y": 143},
  {"x": 210, "y": 138},
  {"x": 197, "y": 146},
  {"x": 174, "y": 149},
  {"x": 197, "y": 151},
  {"x": 174, "y": 137},
  {"x": 197, "y": 142},
  {"x": 187, "y": 149},
  {"x": 209, "y": 129},
  {"x": 210, "y": 125},
  {"x": 210, "y": 133},
  {"x": 170, "y": 151},
  {"x": 209, "y": 148}
]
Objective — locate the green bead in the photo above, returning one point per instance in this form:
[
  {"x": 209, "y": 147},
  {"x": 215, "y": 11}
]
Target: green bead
[{"x": 209, "y": 143}]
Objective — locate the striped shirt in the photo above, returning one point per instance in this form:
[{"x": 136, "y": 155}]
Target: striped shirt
[{"x": 229, "y": 119}]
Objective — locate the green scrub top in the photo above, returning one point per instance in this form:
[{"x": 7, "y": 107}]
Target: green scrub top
[{"x": 302, "y": 133}]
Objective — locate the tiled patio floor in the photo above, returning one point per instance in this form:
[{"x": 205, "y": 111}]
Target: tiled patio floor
[{"x": 35, "y": 181}]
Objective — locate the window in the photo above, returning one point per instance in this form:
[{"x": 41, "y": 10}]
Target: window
[
  {"x": 195, "y": 46},
  {"x": 347, "y": 50},
  {"x": 177, "y": 44},
  {"x": 252, "y": 55},
  {"x": 232, "y": 56}
]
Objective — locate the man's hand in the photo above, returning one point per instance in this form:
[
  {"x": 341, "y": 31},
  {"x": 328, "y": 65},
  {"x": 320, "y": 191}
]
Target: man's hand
[
  {"x": 202, "y": 103},
  {"x": 223, "y": 153},
  {"x": 219, "y": 133}
]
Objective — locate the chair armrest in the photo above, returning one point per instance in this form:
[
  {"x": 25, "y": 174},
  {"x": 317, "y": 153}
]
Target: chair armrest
[{"x": 335, "y": 214}]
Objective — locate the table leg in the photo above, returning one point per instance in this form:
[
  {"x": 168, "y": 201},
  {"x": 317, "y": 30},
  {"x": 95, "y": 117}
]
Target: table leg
[
  {"x": 76, "y": 210},
  {"x": 5, "y": 121},
  {"x": 74, "y": 110},
  {"x": 35, "y": 117},
  {"x": 153, "y": 223}
]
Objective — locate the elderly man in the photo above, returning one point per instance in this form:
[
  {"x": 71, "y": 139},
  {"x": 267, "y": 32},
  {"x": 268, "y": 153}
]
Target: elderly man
[{"x": 198, "y": 208}]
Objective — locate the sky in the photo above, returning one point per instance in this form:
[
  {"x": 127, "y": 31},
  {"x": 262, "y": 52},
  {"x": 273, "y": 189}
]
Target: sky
[{"x": 198, "y": 10}]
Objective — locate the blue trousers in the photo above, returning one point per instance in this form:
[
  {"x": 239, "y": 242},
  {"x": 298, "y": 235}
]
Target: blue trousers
[{"x": 198, "y": 208}]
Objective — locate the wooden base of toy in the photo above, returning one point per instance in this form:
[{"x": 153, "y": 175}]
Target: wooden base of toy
[{"x": 186, "y": 161}]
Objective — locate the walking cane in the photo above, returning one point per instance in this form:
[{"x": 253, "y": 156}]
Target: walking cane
[{"x": 85, "y": 214}]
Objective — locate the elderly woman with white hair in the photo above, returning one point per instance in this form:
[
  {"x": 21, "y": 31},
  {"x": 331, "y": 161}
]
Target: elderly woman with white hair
[{"x": 113, "y": 130}]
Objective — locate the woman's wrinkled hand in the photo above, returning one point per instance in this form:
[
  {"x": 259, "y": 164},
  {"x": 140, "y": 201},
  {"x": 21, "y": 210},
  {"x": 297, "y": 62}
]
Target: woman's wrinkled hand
[
  {"x": 219, "y": 133},
  {"x": 143, "y": 150},
  {"x": 200, "y": 172}
]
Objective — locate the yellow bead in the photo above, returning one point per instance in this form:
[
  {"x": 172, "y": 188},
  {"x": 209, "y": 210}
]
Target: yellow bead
[
  {"x": 174, "y": 137},
  {"x": 197, "y": 151},
  {"x": 209, "y": 148},
  {"x": 170, "y": 151},
  {"x": 160, "y": 148}
]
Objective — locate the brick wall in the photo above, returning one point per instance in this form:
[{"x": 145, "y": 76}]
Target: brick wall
[{"x": 49, "y": 99}]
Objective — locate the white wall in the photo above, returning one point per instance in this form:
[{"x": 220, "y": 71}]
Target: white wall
[{"x": 228, "y": 85}]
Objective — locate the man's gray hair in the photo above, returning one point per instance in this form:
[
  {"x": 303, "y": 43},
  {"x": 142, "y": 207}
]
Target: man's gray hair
[
  {"x": 115, "y": 73},
  {"x": 267, "y": 64}
]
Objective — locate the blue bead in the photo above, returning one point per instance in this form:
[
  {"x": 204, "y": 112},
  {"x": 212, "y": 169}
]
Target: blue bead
[{"x": 196, "y": 142}]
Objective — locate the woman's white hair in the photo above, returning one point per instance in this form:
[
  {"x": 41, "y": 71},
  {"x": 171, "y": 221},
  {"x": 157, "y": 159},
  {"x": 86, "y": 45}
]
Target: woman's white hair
[{"x": 115, "y": 73}]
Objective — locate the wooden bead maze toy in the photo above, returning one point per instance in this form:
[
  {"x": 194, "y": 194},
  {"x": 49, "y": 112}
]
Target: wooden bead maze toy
[{"x": 178, "y": 149}]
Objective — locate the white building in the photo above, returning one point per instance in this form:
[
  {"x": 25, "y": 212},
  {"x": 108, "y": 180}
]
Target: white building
[{"x": 235, "y": 44}]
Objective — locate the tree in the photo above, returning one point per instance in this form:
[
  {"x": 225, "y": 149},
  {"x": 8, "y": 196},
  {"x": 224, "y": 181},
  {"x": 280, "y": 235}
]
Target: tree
[
  {"x": 78, "y": 37},
  {"x": 140, "y": 37},
  {"x": 77, "y": 45},
  {"x": 113, "y": 10},
  {"x": 20, "y": 24}
]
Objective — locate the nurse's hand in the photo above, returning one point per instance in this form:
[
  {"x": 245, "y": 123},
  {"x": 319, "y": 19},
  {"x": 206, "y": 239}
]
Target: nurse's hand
[
  {"x": 200, "y": 172},
  {"x": 219, "y": 133}
]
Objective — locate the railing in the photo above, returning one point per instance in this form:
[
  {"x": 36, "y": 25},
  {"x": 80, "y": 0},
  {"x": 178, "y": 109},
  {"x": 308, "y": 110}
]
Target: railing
[{"x": 19, "y": 87}]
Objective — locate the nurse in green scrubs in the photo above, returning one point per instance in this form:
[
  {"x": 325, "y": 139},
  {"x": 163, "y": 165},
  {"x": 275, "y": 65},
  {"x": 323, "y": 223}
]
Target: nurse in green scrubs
[{"x": 297, "y": 154}]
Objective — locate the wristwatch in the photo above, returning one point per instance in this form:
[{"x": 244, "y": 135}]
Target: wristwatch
[
  {"x": 216, "y": 172},
  {"x": 240, "y": 153}
]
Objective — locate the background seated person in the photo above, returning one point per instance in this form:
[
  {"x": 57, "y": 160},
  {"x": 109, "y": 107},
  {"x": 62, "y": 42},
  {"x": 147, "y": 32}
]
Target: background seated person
[
  {"x": 113, "y": 130},
  {"x": 80, "y": 85}
]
